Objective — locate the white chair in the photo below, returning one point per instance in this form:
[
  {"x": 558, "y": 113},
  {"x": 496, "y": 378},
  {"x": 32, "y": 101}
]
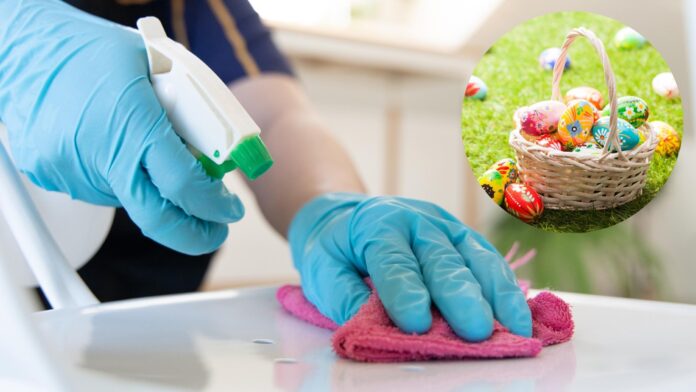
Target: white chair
[{"x": 28, "y": 361}]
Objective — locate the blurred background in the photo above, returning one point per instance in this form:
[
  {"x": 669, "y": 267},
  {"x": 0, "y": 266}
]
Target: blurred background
[{"x": 388, "y": 78}]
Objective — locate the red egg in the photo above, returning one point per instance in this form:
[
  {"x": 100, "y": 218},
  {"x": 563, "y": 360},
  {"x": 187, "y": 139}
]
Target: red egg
[
  {"x": 550, "y": 141},
  {"x": 523, "y": 202}
]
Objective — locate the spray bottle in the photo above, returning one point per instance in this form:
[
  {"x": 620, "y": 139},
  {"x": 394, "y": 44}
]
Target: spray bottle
[{"x": 201, "y": 108}]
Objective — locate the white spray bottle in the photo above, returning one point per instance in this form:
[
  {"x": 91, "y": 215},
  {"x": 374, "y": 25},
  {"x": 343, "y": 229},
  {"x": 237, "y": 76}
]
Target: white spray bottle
[{"x": 202, "y": 109}]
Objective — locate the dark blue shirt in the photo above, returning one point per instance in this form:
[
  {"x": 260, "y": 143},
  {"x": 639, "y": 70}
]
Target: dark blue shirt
[{"x": 228, "y": 35}]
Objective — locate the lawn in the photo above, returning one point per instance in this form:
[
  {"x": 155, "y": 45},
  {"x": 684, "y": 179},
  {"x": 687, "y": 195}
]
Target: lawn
[{"x": 514, "y": 79}]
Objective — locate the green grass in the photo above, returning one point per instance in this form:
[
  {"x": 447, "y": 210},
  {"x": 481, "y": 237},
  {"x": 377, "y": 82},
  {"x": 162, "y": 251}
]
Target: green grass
[{"x": 514, "y": 79}]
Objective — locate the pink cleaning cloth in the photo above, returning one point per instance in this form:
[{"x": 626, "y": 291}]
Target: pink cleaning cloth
[{"x": 370, "y": 336}]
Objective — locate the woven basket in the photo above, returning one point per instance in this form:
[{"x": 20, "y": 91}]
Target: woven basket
[{"x": 572, "y": 181}]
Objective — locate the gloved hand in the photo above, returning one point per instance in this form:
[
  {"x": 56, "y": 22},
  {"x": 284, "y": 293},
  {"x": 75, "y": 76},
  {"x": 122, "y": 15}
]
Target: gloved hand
[
  {"x": 416, "y": 253},
  {"x": 83, "y": 119}
]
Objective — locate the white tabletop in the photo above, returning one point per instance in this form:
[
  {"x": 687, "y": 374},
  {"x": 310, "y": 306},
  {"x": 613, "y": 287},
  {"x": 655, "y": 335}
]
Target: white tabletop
[{"x": 205, "y": 341}]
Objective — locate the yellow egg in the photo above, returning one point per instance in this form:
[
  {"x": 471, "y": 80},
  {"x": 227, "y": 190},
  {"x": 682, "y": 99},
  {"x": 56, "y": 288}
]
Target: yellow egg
[
  {"x": 507, "y": 168},
  {"x": 669, "y": 141},
  {"x": 494, "y": 184},
  {"x": 575, "y": 125}
]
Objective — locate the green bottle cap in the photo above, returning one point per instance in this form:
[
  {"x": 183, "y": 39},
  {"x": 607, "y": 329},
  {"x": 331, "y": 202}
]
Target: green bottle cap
[{"x": 252, "y": 157}]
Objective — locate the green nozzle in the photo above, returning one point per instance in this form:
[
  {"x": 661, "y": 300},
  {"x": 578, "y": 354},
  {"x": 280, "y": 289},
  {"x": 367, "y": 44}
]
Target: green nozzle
[{"x": 251, "y": 156}]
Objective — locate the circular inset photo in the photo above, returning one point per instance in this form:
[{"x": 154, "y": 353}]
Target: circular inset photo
[{"x": 572, "y": 122}]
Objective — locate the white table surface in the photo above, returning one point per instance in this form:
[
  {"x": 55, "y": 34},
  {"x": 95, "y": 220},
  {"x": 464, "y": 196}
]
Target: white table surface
[{"x": 204, "y": 341}]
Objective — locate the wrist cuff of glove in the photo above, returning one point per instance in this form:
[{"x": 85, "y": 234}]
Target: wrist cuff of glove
[{"x": 316, "y": 213}]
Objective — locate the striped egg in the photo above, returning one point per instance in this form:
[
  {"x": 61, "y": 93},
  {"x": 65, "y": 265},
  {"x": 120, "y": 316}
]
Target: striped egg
[{"x": 523, "y": 202}]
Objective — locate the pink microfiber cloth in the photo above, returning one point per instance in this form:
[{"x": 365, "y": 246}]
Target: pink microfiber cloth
[{"x": 370, "y": 336}]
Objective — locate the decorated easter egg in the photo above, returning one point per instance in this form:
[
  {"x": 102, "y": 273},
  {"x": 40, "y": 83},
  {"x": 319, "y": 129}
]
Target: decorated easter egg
[
  {"x": 669, "y": 141},
  {"x": 575, "y": 125},
  {"x": 665, "y": 85},
  {"x": 494, "y": 184},
  {"x": 540, "y": 118},
  {"x": 641, "y": 135},
  {"x": 632, "y": 109},
  {"x": 589, "y": 94},
  {"x": 588, "y": 148},
  {"x": 523, "y": 202},
  {"x": 628, "y": 135},
  {"x": 627, "y": 38},
  {"x": 550, "y": 141},
  {"x": 507, "y": 168},
  {"x": 476, "y": 89},
  {"x": 547, "y": 59}
]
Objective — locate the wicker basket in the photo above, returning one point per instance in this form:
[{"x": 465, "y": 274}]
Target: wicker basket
[{"x": 572, "y": 181}]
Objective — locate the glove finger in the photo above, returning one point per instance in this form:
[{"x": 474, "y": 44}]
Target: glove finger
[
  {"x": 333, "y": 286},
  {"x": 397, "y": 278},
  {"x": 182, "y": 180},
  {"x": 161, "y": 220},
  {"x": 498, "y": 283},
  {"x": 453, "y": 287}
]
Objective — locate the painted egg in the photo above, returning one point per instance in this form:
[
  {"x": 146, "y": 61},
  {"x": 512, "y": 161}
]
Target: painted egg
[
  {"x": 628, "y": 135},
  {"x": 627, "y": 38},
  {"x": 540, "y": 118},
  {"x": 632, "y": 109},
  {"x": 589, "y": 94},
  {"x": 588, "y": 148},
  {"x": 575, "y": 125},
  {"x": 494, "y": 184},
  {"x": 669, "y": 141},
  {"x": 547, "y": 59},
  {"x": 665, "y": 85},
  {"x": 550, "y": 141},
  {"x": 641, "y": 135},
  {"x": 507, "y": 168},
  {"x": 476, "y": 89},
  {"x": 523, "y": 202}
]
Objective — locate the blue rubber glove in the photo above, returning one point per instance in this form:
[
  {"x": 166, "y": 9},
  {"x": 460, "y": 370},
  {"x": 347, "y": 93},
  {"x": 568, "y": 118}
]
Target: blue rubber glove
[
  {"x": 83, "y": 119},
  {"x": 416, "y": 254}
]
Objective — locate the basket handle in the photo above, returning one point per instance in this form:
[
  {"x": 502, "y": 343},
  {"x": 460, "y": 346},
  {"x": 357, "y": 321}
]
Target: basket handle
[{"x": 613, "y": 138}]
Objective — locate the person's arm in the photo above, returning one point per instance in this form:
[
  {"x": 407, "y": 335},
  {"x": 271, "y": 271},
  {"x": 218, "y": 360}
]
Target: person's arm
[
  {"x": 415, "y": 253},
  {"x": 82, "y": 119},
  {"x": 309, "y": 161}
]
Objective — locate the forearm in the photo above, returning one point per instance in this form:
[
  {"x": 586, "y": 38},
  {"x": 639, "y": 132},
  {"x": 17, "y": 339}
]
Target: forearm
[{"x": 308, "y": 160}]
